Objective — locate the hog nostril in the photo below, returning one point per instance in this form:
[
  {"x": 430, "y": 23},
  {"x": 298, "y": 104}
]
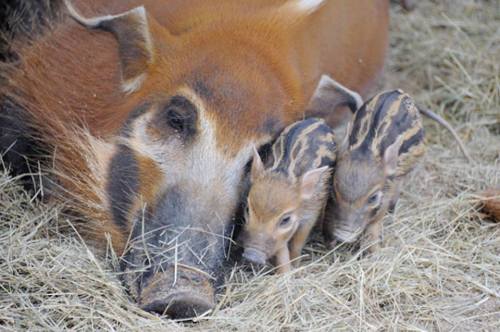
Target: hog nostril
[
  {"x": 180, "y": 306},
  {"x": 255, "y": 256}
]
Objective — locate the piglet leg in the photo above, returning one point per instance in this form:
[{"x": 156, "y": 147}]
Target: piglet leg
[
  {"x": 283, "y": 260},
  {"x": 373, "y": 237},
  {"x": 298, "y": 241}
]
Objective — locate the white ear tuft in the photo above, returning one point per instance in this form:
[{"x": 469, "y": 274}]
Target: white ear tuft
[
  {"x": 133, "y": 84},
  {"x": 95, "y": 22},
  {"x": 308, "y": 6}
]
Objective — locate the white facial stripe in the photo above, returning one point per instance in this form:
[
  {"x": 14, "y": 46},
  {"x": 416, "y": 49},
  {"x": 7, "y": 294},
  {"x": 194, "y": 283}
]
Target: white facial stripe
[
  {"x": 199, "y": 162},
  {"x": 134, "y": 84}
]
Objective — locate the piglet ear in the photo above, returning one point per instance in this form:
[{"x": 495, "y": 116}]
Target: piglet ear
[
  {"x": 391, "y": 156},
  {"x": 134, "y": 41},
  {"x": 344, "y": 145},
  {"x": 329, "y": 95},
  {"x": 257, "y": 165},
  {"x": 311, "y": 180}
]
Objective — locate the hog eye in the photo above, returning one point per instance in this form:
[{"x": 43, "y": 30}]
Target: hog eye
[
  {"x": 374, "y": 199},
  {"x": 285, "y": 221},
  {"x": 175, "y": 119},
  {"x": 180, "y": 115}
]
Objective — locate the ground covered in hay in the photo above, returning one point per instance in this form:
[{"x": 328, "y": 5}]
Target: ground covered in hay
[{"x": 440, "y": 265}]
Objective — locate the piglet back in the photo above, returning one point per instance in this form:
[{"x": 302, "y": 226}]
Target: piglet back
[
  {"x": 381, "y": 121},
  {"x": 303, "y": 146}
]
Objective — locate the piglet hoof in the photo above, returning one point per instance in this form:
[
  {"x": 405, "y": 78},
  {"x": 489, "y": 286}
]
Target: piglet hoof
[
  {"x": 179, "y": 294},
  {"x": 370, "y": 248}
]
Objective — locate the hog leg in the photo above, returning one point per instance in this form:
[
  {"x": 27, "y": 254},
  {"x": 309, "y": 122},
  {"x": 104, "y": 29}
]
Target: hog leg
[
  {"x": 372, "y": 237},
  {"x": 283, "y": 260}
]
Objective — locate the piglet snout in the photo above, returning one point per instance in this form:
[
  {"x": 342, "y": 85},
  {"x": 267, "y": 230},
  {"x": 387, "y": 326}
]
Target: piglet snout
[
  {"x": 332, "y": 244},
  {"x": 254, "y": 256}
]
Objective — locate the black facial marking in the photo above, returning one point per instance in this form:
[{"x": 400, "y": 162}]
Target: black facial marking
[{"x": 123, "y": 184}]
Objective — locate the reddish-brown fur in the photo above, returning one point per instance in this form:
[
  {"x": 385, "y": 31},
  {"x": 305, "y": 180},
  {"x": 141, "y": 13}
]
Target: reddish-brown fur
[{"x": 345, "y": 38}]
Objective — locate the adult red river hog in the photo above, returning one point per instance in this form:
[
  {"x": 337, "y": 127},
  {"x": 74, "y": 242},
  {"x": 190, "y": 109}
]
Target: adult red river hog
[{"x": 148, "y": 112}]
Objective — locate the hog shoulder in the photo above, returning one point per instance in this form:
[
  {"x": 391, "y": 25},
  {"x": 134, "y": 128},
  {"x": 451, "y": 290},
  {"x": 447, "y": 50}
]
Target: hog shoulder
[
  {"x": 303, "y": 146},
  {"x": 381, "y": 121}
]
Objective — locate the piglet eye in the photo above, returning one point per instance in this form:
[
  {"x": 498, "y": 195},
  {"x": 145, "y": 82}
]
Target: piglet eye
[
  {"x": 375, "y": 198},
  {"x": 285, "y": 221}
]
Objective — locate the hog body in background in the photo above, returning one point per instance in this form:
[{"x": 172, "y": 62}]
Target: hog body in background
[
  {"x": 383, "y": 144},
  {"x": 286, "y": 199},
  {"x": 148, "y": 116}
]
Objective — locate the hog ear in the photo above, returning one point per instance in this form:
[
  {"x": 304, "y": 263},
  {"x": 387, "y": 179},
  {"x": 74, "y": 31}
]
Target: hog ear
[
  {"x": 329, "y": 95},
  {"x": 257, "y": 165},
  {"x": 310, "y": 181},
  {"x": 391, "y": 156},
  {"x": 134, "y": 41}
]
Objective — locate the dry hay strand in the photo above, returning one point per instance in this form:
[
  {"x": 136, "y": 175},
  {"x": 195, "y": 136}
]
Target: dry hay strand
[{"x": 439, "y": 268}]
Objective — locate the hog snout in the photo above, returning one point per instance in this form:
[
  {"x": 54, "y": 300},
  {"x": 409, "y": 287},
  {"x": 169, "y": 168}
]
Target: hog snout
[
  {"x": 176, "y": 255},
  {"x": 178, "y": 293},
  {"x": 255, "y": 256}
]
